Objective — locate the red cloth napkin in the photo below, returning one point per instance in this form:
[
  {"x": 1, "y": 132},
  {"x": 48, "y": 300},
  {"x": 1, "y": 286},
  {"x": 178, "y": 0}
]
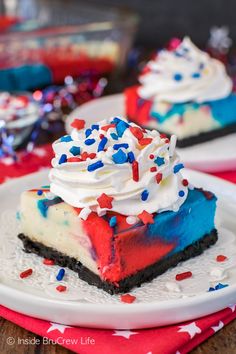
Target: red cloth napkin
[{"x": 180, "y": 338}]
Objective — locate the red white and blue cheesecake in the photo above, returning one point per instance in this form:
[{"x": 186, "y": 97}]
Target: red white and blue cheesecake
[
  {"x": 184, "y": 92},
  {"x": 118, "y": 211}
]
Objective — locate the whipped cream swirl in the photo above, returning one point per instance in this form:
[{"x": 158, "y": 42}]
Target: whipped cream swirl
[
  {"x": 184, "y": 74},
  {"x": 107, "y": 167}
]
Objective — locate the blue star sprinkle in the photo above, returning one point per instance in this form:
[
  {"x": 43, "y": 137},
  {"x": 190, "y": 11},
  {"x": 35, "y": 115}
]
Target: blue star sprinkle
[
  {"x": 62, "y": 159},
  {"x": 159, "y": 161},
  {"x": 119, "y": 157},
  {"x": 75, "y": 150}
]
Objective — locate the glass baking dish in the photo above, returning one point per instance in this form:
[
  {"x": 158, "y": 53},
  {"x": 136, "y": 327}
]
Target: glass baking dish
[{"x": 53, "y": 39}]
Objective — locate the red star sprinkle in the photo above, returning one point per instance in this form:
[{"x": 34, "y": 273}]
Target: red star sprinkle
[
  {"x": 127, "y": 298},
  {"x": 146, "y": 217},
  {"x": 26, "y": 273},
  {"x": 48, "y": 262},
  {"x": 145, "y": 141},
  {"x": 159, "y": 177},
  {"x": 61, "y": 288},
  {"x": 78, "y": 123},
  {"x": 105, "y": 201},
  {"x": 221, "y": 258},
  {"x": 137, "y": 132},
  {"x": 182, "y": 276}
]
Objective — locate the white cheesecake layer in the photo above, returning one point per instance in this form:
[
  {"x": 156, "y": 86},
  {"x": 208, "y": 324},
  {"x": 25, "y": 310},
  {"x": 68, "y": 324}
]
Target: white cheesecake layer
[
  {"x": 61, "y": 229},
  {"x": 191, "y": 123}
]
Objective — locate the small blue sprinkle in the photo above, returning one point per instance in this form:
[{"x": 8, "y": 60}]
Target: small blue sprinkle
[
  {"x": 95, "y": 166},
  {"x": 196, "y": 75},
  {"x": 178, "y": 54},
  {"x": 40, "y": 192},
  {"x": 75, "y": 150},
  {"x": 88, "y": 132},
  {"x": 119, "y": 157},
  {"x": 113, "y": 221},
  {"x": 114, "y": 136},
  {"x": 89, "y": 141},
  {"x": 178, "y": 167},
  {"x": 211, "y": 289},
  {"x": 177, "y": 77},
  {"x": 181, "y": 193},
  {"x": 201, "y": 66},
  {"x": 116, "y": 120},
  {"x": 220, "y": 286},
  {"x": 121, "y": 127},
  {"x": 102, "y": 144},
  {"x": 159, "y": 161},
  {"x": 131, "y": 157},
  {"x": 95, "y": 127},
  {"x": 117, "y": 146},
  {"x": 66, "y": 138},
  {"x": 60, "y": 274},
  {"x": 144, "y": 195},
  {"x": 18, "y": 215},
  {"x": 62, "y": 159}
]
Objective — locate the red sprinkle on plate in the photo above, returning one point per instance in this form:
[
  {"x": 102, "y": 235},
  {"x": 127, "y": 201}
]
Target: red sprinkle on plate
[
  {"x": 61, "y": 288},
  {"x": 26, "y": 273},
  {"x": 127, "y": 298},
  {"x": 221, "y": 258},
  {"x": 47, "y": 261},
  {"x": 182, "y": 276}
]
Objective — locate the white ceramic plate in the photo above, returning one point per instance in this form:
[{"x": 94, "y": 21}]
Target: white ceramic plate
[
  {"x": 216, "y": 155},
  {"x": 161, "y": 302}
]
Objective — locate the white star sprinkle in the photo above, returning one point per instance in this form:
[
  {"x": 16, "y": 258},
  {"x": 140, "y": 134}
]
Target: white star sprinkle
[
  {"x": 58, "y": 327},
  {"x": 192, "y": 329},
  {"x": 125, "y": 334},
  {"x": 217, "y": 328}
]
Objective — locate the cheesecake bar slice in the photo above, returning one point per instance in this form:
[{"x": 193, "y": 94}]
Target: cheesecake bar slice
[
  {"x": 192, "y": 123},
  {"x": 116, "y": 252}
]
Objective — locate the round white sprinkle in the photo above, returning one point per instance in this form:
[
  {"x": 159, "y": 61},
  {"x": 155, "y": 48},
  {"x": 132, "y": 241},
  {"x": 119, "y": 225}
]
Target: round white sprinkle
[
  {"x": 84, "y": 213},
  {"x": 131, "y": 220}
]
